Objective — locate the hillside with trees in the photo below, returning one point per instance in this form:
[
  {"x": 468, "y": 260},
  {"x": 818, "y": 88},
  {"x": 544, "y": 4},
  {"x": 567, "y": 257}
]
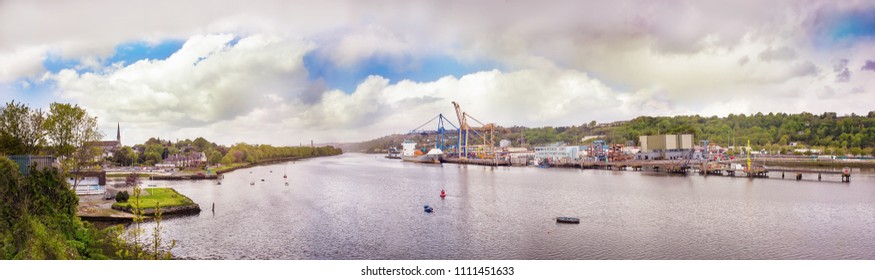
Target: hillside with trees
[{"x": 832, "y": 134}]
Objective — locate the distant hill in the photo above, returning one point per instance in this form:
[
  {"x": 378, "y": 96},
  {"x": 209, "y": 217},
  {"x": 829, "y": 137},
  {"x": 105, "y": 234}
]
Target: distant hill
[{"x": 841, "y": 134}]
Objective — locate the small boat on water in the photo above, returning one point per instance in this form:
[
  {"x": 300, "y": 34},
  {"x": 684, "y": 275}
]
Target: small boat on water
[
  {"x": 567, "y": 220},
  {"x": 428, "y": 209},
  {"x": 252, "y": 183},
  {"x": 287, "y": 183},
  {"x": 218, "y": 182}
]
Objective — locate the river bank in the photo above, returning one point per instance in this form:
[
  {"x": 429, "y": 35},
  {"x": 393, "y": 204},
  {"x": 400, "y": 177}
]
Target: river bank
[
  {"x": 263, "y": 162},
  {"x": 166, "y": 176}
]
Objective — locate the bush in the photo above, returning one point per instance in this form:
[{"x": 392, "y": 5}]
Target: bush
[{"x": 122, "y": 196}]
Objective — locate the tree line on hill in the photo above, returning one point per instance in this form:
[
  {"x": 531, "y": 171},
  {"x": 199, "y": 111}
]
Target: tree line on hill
[
  {"x": 832, "y": 134},
  {"x": 156, "y": 150}
]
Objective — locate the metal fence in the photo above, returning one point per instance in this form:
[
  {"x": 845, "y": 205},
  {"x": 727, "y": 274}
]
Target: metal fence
[{"x": 25, "y": 161}]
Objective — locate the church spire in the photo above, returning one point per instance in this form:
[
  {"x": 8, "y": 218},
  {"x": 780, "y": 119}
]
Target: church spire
[{"x": 118, "y": 133}]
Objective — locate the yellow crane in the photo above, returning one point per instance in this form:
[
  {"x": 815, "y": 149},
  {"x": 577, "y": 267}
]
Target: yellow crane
[{"x": 465, "y": 128}]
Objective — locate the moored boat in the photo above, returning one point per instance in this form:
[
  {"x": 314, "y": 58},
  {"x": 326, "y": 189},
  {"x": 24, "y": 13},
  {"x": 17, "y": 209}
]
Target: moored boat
[
  {"x": 422, "y": 159},
  {"x": 567, "y": 220}
]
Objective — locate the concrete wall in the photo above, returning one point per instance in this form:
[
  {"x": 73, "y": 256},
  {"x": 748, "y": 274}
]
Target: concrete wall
[
  {"x": 686, "y": 141},
  {"x": 671, "y": 142},
  {"x": 643, "y": 142}
]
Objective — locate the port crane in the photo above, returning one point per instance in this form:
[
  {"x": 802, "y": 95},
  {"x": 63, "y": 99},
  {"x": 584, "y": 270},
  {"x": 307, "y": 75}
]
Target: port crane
[
  {"x": 487, "y": 136},
  {"x": 440, "y": 138}
]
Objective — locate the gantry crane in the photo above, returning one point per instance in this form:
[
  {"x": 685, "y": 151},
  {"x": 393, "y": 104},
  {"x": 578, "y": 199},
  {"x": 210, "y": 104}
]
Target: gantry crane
[{"x": 439, "y": 141}]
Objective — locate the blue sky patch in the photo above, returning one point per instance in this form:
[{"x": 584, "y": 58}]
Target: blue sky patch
[
  {"x": 126, "y": 53},
  {"x": 844, "y": 28},
  {"x": 428, "y": 68},
  {"x": 129, "y": 53},
  {"x": 35, "y": 94},
  {"x": 854, "y": 25}
]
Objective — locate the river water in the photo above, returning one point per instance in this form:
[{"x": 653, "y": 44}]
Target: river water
[{"x": 357, "y": 206}]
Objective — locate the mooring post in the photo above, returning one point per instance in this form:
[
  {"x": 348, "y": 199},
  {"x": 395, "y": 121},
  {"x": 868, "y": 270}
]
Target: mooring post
[
  {"x": 798, "y": 176},
  {"x": 782, "y": 175},
  {"x": 818, "y": 176}
]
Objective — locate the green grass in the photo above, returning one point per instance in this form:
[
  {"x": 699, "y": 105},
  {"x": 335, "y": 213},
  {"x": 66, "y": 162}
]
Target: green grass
[{"x": 167, "y": 197}]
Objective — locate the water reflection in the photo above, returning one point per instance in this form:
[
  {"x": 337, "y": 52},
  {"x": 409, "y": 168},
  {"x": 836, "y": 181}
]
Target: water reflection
[{"x": 364, "y": 207}]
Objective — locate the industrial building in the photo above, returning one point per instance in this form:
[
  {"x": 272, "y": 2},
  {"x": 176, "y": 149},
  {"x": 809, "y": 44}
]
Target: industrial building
[
  {"x": 40, "y": 162},
  {"x": 666, "y": 146},
  {"x": 557, "y": 152}
]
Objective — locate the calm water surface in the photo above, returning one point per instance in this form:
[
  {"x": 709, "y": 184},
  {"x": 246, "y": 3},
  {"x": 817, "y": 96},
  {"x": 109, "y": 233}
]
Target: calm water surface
[{"x": 357, "y": 206}]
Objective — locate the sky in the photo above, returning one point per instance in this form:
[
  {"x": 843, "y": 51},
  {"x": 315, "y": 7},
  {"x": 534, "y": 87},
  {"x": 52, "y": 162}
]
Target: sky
[{"x": 288, "y": 72}]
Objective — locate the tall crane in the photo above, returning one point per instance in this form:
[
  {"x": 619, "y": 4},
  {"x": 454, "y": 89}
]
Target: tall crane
[
  {"x": 465, "y": 128},
  {"x": 439, "y": 141}
]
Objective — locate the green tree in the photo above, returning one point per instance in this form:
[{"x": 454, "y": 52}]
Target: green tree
[
  {"x": 72, "y": 131},
  {"x": 215, "y": 157},
  {"x": 21, "y": 129}
]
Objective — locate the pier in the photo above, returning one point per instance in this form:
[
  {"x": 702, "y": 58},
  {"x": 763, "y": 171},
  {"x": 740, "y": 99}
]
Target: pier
[
  {"x": 706, "y": 168},
  {"x": 476, "y": 161}
]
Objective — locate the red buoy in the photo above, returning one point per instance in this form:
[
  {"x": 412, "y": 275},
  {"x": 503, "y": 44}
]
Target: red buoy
[{"x": 443, "y": 194}]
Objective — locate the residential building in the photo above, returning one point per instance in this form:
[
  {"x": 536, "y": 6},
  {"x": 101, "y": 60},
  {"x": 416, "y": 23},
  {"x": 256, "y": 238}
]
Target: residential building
[{"x": 187, "y": 160}]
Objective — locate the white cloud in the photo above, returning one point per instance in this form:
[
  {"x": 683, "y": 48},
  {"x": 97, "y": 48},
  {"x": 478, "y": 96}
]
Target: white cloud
[
  {"x": 21, "y": 63},
  {"x": 562, "y": 62},
  {"x": 206, "y": 81}
]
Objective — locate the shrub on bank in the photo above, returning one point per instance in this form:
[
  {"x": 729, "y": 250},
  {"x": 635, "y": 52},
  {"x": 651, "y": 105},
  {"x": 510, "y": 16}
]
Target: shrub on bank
[{"x": 122, "y": 196}]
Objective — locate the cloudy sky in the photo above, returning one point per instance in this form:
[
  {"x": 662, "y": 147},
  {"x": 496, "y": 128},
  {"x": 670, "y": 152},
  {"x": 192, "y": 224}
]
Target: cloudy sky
[{"x": 285, "y": 72}]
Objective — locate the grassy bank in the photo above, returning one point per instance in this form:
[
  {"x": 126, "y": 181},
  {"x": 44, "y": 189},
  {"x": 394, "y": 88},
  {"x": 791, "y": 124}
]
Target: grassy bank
[
  {"x": 228, "y": 167},
  {"x": 167, "y": 197},
  {"x": 235, "y": 166}
]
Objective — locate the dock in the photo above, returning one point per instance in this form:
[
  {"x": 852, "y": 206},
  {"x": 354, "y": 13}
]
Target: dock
[
  {"x": 706, "y": 168},
  {"x": 476, "y": 161}
]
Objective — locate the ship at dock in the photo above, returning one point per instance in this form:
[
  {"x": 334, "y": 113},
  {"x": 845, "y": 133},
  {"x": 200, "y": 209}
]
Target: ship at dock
[{"x": 411, "y": 154}]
